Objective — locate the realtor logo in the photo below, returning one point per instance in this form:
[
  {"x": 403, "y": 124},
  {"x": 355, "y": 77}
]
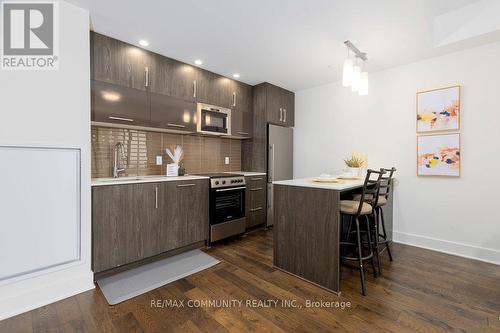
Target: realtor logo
[{"x": 30, "y": 36}]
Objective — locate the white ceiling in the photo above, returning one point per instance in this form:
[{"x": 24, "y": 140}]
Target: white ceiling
[{"x": 296, "y": 44}]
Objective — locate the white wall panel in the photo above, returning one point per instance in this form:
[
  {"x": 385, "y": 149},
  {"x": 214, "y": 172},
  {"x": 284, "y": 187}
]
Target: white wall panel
[{"x": 39, "y": 210}]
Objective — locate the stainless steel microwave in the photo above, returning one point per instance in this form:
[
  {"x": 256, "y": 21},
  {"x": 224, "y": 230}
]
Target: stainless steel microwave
[{"x": 213, "y": 120}]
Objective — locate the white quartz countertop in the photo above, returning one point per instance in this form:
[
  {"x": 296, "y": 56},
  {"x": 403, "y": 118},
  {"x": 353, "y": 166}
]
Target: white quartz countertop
[
  {"x": 141, "y": 179},
  {"x": 248, "y": 173},
  {"x": 342, "y": 185}
]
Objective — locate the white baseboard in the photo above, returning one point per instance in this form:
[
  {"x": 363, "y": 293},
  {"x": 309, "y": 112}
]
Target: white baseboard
[
  {"x": 28, "y": 295},
  {"x": 463, "y": 250}
]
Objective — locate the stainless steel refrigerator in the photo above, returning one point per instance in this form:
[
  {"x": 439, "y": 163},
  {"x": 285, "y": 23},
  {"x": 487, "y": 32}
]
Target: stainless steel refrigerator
[{"x": 279, "y": 161}]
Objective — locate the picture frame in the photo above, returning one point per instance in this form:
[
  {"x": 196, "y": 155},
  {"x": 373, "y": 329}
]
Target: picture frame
[
  {"x": 439, "y": 155},
  {"x": 438, "y": 110}
]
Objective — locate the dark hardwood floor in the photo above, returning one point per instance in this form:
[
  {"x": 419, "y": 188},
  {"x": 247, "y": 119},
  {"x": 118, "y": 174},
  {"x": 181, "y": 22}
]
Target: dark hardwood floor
[{"x": 421, "y": 291}]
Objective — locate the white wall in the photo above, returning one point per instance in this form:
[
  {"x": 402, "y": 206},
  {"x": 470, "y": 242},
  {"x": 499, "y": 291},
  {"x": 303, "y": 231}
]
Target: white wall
[
  {"x": 51, "y": 109},
  {"x": 447, "y": 214}
]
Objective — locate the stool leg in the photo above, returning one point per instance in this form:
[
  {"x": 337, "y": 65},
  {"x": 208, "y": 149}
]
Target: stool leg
[
  {"x": 375, "y": 222},
  {"x": 385, "y": 234},
  {"x": 360, "y": 255},
  {"x": 370, "y": 244}
]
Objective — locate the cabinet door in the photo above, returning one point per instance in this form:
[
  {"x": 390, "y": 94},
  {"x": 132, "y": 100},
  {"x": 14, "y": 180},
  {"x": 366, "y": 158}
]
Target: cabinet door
[
  {"x": 241, "y": 124},
  {"x": 117, "y": 62},
  {"x": 123, "y": 224},
  {"x": 214, "y": 89},
  {"x": 184, "y": 219},
  {"x": 288, "y": 108},
  {"x": 171, "y": 226},
  {"x": 243, "y": 96},
  {"x": 274, "y": 105},
  {"x": 113, "y": 103},
  {"x": 172, "y": 78},
  {"x": 146, "y": 211},
  {"x": 110, "y": 218},
  {"x": 172, "y": 113},
  {"x": 194, "y": 206}
]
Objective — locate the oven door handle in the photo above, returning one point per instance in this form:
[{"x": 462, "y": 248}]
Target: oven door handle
[{"x": 230, "y": 189}]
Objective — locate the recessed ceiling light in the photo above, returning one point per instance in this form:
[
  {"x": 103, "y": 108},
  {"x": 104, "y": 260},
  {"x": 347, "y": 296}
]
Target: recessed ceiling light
[
  {"x": 198, "y": 62},
  {"x": 143, "y": 42},
  {"x": 236, "y": 75}
]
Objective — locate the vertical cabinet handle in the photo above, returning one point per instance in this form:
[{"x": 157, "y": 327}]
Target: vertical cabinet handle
[
  {"x": 194, "y": 89},
  {"x": 156, "y": 197},
  {"x": 281, "y": 114},
  {"x": 234, "y": 99},
  {"x": 284, "y": 115},
  {"x": 146, "y": 77}
]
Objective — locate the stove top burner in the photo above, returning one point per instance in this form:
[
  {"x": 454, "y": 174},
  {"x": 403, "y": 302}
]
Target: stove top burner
[{"x": 221, "y": 180}]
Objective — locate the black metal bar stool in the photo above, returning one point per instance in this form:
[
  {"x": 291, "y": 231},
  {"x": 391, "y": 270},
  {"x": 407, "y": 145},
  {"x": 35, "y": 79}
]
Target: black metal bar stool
[
  {"x": 354, "y": 209},
  {"x": 385, "y": 191},
  {"x": 383, "y": 197}
]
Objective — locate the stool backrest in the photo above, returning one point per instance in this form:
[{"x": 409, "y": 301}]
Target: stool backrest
[
  {"x": 371, "y": 188},
  {"x": 386, "y": 182}
]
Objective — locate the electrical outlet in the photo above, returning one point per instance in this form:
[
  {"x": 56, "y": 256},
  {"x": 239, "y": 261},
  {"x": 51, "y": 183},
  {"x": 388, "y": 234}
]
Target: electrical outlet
[
  {"x": 159, "y": 160},
  {"x": 226, "y": 160}
]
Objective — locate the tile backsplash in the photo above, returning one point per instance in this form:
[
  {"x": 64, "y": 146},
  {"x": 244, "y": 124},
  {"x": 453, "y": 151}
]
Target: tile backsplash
[{"x": 201, "y": 153}]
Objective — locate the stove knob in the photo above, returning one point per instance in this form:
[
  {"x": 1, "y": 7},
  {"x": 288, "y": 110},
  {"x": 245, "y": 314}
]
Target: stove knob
[
  {"x": 216, "y": 182},
  {"x": 232, "y": 181},
  {"x": 223, "y": 182}
]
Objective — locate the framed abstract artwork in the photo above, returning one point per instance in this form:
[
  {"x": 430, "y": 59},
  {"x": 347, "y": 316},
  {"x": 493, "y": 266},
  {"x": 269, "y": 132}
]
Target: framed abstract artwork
[
  {"x": 438, "y": 155},
  {"x": 438, "y": 110}
]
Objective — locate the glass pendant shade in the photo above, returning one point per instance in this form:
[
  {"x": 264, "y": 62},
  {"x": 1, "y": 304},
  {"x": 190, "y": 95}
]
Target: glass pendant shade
[
  {"x": 363, "y": 84},
  {"x": 356, "y": 78},
  {"x": 347, "y": 72}
]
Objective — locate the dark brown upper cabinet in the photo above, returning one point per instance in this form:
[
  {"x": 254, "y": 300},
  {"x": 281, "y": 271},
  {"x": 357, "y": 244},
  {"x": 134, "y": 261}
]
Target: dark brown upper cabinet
[
  {"x": 241, "y": 124},
  {"x": 113, "y": 103},
  {"x": 288, "y": 108},
  {"x": 214, "y": 89},
  {"x": 172, "y": 113},
  {"x": 242, "y": 113},
  {"x": 160, "y": 92},
  {"x": 172, "y": 78},
  {"x": 242, "y": 99},
  {"x": 119, "y": 63},
  {"x": 280, "y": 105}
]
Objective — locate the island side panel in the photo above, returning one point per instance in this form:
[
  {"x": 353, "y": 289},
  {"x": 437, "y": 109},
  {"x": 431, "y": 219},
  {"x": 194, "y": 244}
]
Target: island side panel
[{"x": 306, "y": 233}]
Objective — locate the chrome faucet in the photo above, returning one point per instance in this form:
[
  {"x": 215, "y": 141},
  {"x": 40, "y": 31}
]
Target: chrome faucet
[{"x": 116, "y": 170}]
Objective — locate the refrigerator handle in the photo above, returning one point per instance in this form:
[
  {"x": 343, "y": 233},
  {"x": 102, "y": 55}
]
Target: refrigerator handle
[{"x": 271, "y": 173}]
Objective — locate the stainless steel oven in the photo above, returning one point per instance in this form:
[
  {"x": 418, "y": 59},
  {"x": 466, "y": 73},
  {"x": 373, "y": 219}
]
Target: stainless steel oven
[
  {"x": 213, "y": 119},
  {"x": 227, "y": 206}
]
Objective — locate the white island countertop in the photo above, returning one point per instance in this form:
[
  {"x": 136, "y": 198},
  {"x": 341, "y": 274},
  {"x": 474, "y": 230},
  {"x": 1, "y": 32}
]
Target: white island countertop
[
  {"x": 341, "y": 185},
  {"x": 141, "y": 179}
]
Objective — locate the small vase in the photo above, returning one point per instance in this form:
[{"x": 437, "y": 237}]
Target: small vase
[{"x": 354, "y": 172}]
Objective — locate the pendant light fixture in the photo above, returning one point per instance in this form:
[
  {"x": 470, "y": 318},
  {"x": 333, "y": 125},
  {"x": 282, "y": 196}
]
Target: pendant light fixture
[
  {"x": 363, "y": 84},
  {"x": 356, "y": 77},
  {"x": 354, "y": 73},
  {"x": 363, "y": 81},
  {"x": 347, "y": 71}
]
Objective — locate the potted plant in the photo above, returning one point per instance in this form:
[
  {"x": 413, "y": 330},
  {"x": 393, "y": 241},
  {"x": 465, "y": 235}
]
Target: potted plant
[{"x": 355, "y": 164}]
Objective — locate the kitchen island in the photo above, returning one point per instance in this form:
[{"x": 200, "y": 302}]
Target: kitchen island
[{"x": 307, "y": 228}]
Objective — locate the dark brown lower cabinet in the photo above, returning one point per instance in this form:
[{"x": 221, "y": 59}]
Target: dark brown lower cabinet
[
  {"x": 255, "y": 201},
  {"x": 136, "y": 221}
]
